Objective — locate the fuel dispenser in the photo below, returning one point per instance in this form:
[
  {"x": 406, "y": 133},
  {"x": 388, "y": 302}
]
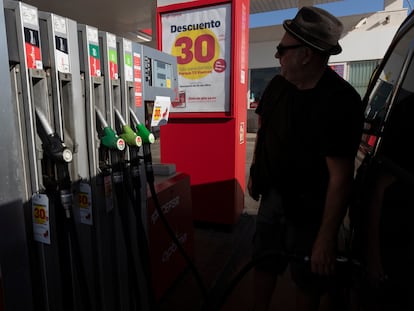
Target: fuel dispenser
[
  {"x": 82, "y": 102},
  {"x": 102, "y": 143},
  {"x": 60, "y": 56},
  {"x": 135, "y": 182},
  {"x": 15, "y": 278},
  {"x": 129, "y": 265},
  {"x": 48, "y": 193},
  {"x": 40, "y": 161}
]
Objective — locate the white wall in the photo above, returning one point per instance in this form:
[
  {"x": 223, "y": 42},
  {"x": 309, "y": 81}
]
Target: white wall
[
  {"x": 356, "y": 46},
  {"x": 365, "y": 45},
  {"x": 369, "y": 41},
  {"x": 262, "y": 55},
  {"x": 170, "y": 2}
]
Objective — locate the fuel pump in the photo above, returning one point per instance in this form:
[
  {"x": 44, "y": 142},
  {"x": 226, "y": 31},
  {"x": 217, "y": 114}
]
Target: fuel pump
[
  {"x": 117, "y": 106},
  {"x": 101, "y": 139},
  {"x": 135, "y": 181},
  {"x": 32, "y": 102},
  {"x": 59, "y": 189},
  {"x": 61, "y": 61},
  {"x": 140, "y": 209},
  {"x": 15, "y": 278}
]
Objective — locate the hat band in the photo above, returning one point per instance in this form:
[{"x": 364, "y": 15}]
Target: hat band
[{"x": 308, "y": 38}]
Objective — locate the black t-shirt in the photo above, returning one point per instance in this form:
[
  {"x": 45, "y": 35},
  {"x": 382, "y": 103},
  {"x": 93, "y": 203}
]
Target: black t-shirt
[{"x": 299, "y": 129}]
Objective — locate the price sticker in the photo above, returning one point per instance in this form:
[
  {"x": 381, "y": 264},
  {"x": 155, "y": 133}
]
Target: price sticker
[
  {"x": 40, "y": 214},
  {"x": 83, "y": 200},
  {"x": 40, "y": 218}
]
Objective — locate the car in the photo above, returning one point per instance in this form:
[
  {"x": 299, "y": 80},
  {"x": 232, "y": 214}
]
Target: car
[{"x": 382, "y": 210}]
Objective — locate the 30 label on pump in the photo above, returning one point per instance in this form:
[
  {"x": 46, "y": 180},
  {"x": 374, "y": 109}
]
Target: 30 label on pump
[{"x": 40, "y": 217}]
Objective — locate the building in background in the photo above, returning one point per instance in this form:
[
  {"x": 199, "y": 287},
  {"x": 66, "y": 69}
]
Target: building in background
[{"x": 364, "y": 42}]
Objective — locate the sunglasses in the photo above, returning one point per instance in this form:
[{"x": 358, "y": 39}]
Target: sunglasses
[{"x": 281, "y": 49}]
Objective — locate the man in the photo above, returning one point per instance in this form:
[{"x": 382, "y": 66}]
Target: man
[{"x": 310, "y": 123}]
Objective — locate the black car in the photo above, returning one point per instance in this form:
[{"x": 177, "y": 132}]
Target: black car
[{"x": 382, "y": 212}]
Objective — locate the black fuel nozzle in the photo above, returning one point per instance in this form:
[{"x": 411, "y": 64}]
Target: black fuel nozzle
[
  {"x": 57, "y": 150},
  {"x": 53, "y": 145}
]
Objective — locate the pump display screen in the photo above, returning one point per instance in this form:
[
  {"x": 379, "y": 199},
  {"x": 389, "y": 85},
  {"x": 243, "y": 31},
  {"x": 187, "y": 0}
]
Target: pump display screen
[{"x": 161, "y": 74}]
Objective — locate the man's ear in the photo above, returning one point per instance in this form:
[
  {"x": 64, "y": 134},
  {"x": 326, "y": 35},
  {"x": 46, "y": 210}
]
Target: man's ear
[{"x": 308, "y": 54}]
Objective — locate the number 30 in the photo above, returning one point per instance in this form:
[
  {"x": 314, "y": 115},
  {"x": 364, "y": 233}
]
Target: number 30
[{"x": 190, "y": 52}]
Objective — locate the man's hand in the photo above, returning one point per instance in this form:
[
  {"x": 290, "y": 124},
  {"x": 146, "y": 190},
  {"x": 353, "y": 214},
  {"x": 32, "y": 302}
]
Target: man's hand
[{"x": 323, "y": 258}]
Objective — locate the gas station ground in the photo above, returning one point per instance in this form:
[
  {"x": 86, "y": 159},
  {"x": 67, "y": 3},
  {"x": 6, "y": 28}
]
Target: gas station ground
[{"x": 219, "y": 255}]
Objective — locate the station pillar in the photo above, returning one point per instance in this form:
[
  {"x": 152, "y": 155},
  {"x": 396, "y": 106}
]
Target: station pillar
[{"x": 206, "y": 133}]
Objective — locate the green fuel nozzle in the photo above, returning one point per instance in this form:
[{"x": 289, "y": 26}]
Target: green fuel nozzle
[
  {"x": 110, "y": 139},
  {"x": 146, "y": 136},
  {"x": 130, "y": 137}
]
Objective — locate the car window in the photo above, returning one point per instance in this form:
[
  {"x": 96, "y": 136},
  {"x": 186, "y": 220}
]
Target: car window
[
  {"x": 389, "y": 115},
  {"x": 395, "y": 82}
]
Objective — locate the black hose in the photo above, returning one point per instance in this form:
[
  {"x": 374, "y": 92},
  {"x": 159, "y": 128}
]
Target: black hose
[
  {"x": 79, "y": 266},
  {"x": 132, "y": 272},
  {"x": 134, "y": 195}
]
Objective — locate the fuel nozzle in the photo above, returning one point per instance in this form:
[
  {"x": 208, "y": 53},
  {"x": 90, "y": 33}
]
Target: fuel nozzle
[
  {"x": 52, "y": 143},
  {"x": 110, "y": 139},
  {"x": 130, "y": 137},
  {"x": 146, "y": 136}
]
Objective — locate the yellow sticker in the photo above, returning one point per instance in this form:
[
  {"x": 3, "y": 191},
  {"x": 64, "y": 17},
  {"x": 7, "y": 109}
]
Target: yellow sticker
[
  {"x": 83, "y": 200},
  {"x": 40, "y": 214},
  {"x": 157, "y": 113}
]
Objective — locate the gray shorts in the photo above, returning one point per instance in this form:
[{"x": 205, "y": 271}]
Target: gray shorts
[{"x": 278, "y": 243}]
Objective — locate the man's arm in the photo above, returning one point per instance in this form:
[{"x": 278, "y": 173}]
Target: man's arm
[{"x": 341, "y": 172}]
